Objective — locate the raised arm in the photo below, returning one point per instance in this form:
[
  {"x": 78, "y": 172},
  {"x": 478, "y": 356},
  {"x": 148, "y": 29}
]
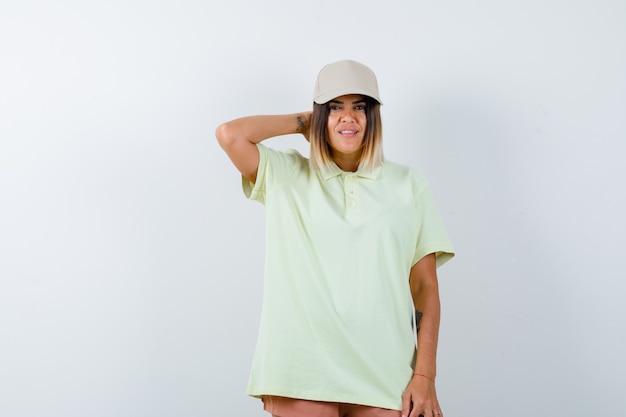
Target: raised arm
[
  {"x": 240, "y": 136},
  {"x": 420, "y": 396}
]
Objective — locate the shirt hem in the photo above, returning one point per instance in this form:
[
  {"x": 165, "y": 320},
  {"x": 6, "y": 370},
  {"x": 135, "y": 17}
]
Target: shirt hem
[{"x": 329, "y": 397}]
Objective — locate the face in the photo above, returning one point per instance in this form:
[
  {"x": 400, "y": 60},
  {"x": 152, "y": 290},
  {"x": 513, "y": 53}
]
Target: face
[{"x": 347, "y": 121}]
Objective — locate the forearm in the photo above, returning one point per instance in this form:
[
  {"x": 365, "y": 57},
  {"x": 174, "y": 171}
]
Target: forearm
[
  {"x": 428, "y": 308},
  {"x": 420, "y": 396},
  {"x": 254, "y": 129},
  {"x": 425, "y": 293}
]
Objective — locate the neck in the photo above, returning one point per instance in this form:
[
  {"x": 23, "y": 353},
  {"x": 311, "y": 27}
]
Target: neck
[{"x": 348, "y": 162}]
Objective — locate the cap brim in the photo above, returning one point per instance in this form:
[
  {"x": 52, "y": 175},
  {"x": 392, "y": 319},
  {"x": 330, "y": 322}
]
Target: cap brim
[{"x": 329, "y": 95}]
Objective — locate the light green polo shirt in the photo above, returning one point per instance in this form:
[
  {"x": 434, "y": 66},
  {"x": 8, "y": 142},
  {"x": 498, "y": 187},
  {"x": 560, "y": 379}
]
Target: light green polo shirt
[{"x": 336, "y": 318}]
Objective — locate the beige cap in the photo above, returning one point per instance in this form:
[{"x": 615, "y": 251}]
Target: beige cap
[{"x": 345, "y": 77}]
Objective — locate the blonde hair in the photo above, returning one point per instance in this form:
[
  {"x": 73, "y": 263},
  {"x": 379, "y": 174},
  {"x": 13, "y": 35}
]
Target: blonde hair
[{"x": 321, "y": 152}]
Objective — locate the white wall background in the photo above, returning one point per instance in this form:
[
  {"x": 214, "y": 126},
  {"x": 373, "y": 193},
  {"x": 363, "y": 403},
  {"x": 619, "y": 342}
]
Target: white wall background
[{"x": 130, "y": 262}]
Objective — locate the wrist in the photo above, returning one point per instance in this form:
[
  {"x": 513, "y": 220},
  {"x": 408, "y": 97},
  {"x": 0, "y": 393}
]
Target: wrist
[
  {"x": 423, "y": 375},
  {"x": 301, "y": 123}
]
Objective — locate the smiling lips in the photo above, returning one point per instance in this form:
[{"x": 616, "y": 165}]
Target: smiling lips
[{"x": 348, "y": 132}]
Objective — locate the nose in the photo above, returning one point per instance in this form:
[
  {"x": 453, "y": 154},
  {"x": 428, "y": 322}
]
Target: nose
[{"x": 347, "y": 115}]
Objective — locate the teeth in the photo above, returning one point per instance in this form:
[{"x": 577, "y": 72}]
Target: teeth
[{"x": 347, "y": 131}]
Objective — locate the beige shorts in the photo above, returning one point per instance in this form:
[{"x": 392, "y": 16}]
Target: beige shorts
[{"x": 293, "y": 407}]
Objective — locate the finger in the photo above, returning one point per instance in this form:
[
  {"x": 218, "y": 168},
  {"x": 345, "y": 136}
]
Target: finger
[
  {"x": 417, "y": 413},
  {"x": 406, "y": 405},
  {"x": 424, "y": 412}
]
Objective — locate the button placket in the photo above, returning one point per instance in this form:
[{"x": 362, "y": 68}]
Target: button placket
[{"x": 351, "y": 193}]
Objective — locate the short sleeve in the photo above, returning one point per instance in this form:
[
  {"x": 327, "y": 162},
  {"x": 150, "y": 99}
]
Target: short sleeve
[
  {"x": 432, "y": 236},
  {"x": 275, "y": 167}
]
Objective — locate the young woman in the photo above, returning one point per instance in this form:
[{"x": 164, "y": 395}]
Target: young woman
[{"x": 353, "y": 243}]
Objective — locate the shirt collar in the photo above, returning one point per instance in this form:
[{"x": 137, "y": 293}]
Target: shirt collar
[{"x": 333, "y": 170}]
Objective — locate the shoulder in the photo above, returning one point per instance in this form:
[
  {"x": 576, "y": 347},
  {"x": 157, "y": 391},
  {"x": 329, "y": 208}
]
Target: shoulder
[
  {"x": 286, "y": 158},
  {"x": 403, "y": 174},
  {"x": 277, "y": 166},
  {"x": 286, "y": 155}
]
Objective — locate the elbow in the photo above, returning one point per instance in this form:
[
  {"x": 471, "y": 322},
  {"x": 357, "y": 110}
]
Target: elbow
[{"x": 224, "y": 135}]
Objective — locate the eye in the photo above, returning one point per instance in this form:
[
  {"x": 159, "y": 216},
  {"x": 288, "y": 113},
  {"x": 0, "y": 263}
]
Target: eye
[
  {"x": 360, "y": 107},
  {"x": 334, "y": 107}
]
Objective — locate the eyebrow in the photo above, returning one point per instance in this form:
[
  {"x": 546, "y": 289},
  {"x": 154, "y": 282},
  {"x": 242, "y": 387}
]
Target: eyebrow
[{"x": 354, "y": 102}]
